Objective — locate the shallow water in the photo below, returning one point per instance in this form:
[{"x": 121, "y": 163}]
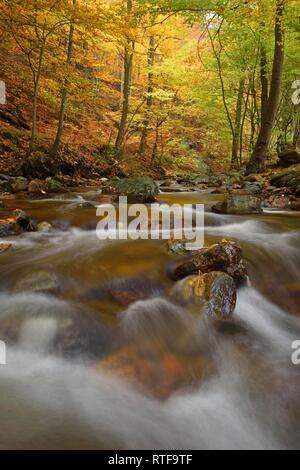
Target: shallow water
[{"x": 56, "y": 391}]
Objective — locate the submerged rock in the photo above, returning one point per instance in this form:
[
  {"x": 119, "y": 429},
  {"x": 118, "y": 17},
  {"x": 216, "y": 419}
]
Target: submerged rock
[
  {"x": 40, "y": 281},
  {"x": 126, "y": 290},
  {"x": 213, "y": 294},
  {"x": 239, "y": 204},
  {"x": 156, "y": 374},
  {"x": 225, "y": 257},
  {"x": 50, "y": 326}
]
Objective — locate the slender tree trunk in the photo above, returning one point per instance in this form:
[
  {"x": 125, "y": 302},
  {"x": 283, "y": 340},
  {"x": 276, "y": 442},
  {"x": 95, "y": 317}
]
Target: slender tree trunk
[
  {"x": 264, "y": 82},
  {"x": 237, "y": 126},
  {"x": 64, "y": 92},
  {"x": 35, "y": 99},
  {"x": 260, "y": 153},
  {"x": 127, "y": 79},
  {"x": 151, "y": 58}
]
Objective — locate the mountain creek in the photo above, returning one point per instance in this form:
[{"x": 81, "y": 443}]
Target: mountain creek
[{"x": 103, "y": 357}]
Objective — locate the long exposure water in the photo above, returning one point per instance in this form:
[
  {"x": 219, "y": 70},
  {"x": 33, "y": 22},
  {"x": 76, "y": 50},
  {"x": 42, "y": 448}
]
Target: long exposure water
[{"x": 88, "y": 368}]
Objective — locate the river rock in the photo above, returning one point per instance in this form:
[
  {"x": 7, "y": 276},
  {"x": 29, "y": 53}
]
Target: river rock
[
  {"x": 54, "y": 186},
  {"x": 5, "y": 185},
  {"x": 126, "y": 290},
  {"x": 35, "y": 187},
  {"x": 44, "y": 227},
  {"x": 39, "y": 282},
  {"x": 225, "y": 257},
  {"x": 214, "y": 294},
  {"x": 288, "y": 178},
  {"x": 239, "y": 204},
  {"x": 254, "y": 187},
  {"x": 49, "y": 325},
  {"x": 278, "y": 201},
  {"x": 290, "y": 156},
  {"x": 8, "y": 230},
  {"x": 138, "y": 190},
  {"x": 19, "y": 184},
  {"x": 295, "y": 205},
  {"x": 157, "y": 374}
]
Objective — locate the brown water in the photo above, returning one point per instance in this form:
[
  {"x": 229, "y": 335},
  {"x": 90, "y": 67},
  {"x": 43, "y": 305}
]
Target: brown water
[{"x": 90, "y": 370}]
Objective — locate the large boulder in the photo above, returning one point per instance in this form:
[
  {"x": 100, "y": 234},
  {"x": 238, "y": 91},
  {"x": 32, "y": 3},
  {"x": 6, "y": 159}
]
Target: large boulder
[
  {"x": 239, "y": 204},
  {"x": 288, "y": 178},
  {"x": 138, "y": 190},
  {"x": 290, "y": 156},
  {"x": 212, "y": 294},
  {"x": 225, "y": 257}
]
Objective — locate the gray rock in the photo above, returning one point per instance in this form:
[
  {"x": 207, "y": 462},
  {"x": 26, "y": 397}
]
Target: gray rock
[
  {"x": 39, "y": 282},
  {"x": 239, "y": 204},
  {"x": 253, "y": 187},
  {"x": 138, "y": 190}
]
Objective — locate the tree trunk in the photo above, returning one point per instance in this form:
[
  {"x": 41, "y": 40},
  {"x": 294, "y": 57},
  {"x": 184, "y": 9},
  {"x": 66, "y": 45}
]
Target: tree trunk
[
  {"x": 64, "y": 93},
  {"x": 127, "y": 79},
  {"x": 151, "y": 58},
  {"x": 35, "y": 99},
  {"x": 237, "y": 126},
  {"x": 264, "y": 82},
  {"x": 260, "y": 153}
]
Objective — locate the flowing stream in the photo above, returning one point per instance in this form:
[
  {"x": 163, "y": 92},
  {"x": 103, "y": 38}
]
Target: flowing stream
[{"x": 59, "y": 389}]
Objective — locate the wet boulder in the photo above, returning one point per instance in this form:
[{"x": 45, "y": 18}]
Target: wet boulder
[
  {"x": 239, "y": 204},
  {"x": 39, "y": 282},
  {"x": 138, "y": 190},
  {"x": 212, "y": 294},
  {"x": 8, "y": 229},
  {"x": 225, "y": 257}
]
